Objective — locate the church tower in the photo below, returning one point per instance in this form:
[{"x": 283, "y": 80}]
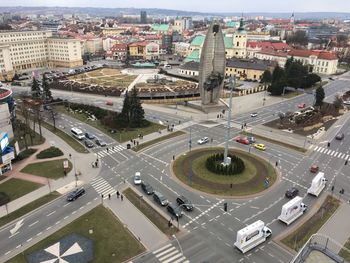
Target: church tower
[
  {"x": 240, "y": 42},
  {"x": 292, "y": 19}
]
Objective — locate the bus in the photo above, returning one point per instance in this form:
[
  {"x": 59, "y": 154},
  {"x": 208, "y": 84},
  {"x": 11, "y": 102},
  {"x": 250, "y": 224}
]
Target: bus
[{"x": 77, "y": 133}]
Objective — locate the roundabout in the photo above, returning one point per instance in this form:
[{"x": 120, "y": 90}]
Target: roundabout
[{"x": 257, "y": 175}]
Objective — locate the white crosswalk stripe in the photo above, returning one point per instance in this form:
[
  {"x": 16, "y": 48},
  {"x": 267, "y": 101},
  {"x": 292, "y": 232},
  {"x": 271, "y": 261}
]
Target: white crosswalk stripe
[
  {"x": 111, "y": 150},
  {"x": 101, "y": 186},
  {"x": 169, "y": 254},
  {"x": 333, "y": 153}
]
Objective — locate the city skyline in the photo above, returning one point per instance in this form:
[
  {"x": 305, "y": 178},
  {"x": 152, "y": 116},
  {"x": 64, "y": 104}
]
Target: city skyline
[{"x": 206, "y": 6}]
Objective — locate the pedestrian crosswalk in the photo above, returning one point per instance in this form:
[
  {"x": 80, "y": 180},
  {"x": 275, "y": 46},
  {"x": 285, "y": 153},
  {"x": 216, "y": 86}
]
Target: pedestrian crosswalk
[
  {"x": 102, "y": 187},
  {"x": 111, "y": 150},
  {"x": 170, "y": 254},
  {"x": 332, "y": 153}
]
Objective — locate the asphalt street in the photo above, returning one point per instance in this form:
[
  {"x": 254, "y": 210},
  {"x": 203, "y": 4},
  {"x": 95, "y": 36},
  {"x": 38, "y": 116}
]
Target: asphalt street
[{"x": 208, "y": 232}]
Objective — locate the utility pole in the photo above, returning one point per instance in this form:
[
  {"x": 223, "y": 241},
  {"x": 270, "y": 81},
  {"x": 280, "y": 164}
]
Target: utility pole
[
  {"x": 190, "y": 141},
  {"x": 227, "y": 161}
]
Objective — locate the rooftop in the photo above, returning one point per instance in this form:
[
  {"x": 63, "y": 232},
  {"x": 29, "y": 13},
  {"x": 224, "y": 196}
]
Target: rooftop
[
  {"x": 246, "y": 64},
  {"x": 160, "y": 27},
  {"x": 193, "y": 56}
]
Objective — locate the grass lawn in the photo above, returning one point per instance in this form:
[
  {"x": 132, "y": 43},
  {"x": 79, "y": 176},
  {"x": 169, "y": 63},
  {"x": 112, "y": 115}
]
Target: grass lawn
[
  {"x": 16, "y": 188},
  {"x": 27, "y": 208},
  {"x": 160, "y": 139},
  {"x": 67, "y": 138},
  {"x": 111, "y": 240},
  {"x": 299, "y": 237},
  {"x": 346, "y": 253},
  {"x": 156, "y": 218},
  {"x": 49, "y": 169},
  {"x": 119, "y": 135}
]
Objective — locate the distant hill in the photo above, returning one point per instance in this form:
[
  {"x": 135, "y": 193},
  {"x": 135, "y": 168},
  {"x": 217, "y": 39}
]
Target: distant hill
[{"x": 162, "y": 12}]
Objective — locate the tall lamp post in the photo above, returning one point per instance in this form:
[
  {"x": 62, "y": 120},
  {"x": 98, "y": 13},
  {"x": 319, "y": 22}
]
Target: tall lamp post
[
  {"x": 178, "y": 244},
  {"x": 227, "y": 160}
]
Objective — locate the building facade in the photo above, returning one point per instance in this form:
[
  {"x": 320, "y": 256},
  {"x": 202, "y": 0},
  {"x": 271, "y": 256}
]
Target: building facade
[
  {"x": 245, "y": 69},
  {"x": 144, "y": 50}
]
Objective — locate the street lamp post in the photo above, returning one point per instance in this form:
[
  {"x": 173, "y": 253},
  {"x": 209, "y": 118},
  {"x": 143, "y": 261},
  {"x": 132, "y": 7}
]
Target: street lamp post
[
  {"x": 232, "y": 85},
  {"x": 178, "y": 244}
]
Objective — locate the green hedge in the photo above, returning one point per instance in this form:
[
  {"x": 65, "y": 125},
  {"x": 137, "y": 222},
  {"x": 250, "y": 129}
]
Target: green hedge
[
  {"x": 49, "y": 153},
  {"x": 25, "y": 154},
  {"x": 214, "y": 164}
]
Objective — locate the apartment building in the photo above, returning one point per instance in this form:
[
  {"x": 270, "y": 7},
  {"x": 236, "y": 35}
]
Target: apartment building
[{"x": 25, "y": 50}]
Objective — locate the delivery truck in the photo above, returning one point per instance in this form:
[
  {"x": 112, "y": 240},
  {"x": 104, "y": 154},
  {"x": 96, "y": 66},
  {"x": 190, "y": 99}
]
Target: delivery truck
[
  {"x": 292, "y": 210},
  {"x": 317, "y": 184},
  {"x": 252, "y": 236}
]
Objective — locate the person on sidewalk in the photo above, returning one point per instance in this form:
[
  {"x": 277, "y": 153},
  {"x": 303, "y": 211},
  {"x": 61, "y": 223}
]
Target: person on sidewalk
[
  {"x": 109, "y": 196},
  {"x": 121, "y": 197},
  {"x": 118, "y": 194}
]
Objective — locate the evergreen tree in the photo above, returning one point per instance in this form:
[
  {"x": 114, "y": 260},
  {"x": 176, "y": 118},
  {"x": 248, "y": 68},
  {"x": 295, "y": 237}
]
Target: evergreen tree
[
  {"x": 137, "y": 114},
  {"x": 278, "y": 74},
  {"x": 124, "y": 116},
  {"x": 35, "y": 88},
  {"x": 319, "y": 96},
  {"x": 46, "y": 89}
]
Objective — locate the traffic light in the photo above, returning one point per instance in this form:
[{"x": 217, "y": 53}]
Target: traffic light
[{"x": 225, "y": 207}]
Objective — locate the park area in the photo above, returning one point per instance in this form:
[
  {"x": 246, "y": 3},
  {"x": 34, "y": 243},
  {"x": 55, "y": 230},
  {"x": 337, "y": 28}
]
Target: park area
[{"x": 106, "y": 77}]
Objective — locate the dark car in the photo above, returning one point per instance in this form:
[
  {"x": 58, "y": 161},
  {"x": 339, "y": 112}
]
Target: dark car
[
  {"x": 100, "y": 142},
  {"x": 339, "y": 136},
  {"x": 174, "y": 210},
  {"x": 160, "y": 199},
  {"x": 75, "y": 194},
  {"x": 88, "y": 144},
  {"x": 89, "y": 135},
  {"x": 292, "y": 192},
  {"x": 147, "y": 188},
  {"x": 183, "y": 201}
]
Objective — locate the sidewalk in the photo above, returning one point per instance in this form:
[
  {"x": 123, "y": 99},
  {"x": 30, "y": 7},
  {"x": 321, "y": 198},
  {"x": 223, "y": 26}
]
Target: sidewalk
[
  {"x": 81, "y": 161},
  {"x": 141, "y": 227},
  {"x": 337, "y": 227}
]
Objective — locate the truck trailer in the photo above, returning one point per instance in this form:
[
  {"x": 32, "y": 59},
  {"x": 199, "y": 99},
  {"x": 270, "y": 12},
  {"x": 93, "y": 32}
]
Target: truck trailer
[
  {"x": 292, "y": 210},
  {"x": 252, "y": 236},
  {"x": 317, "y": 184}
]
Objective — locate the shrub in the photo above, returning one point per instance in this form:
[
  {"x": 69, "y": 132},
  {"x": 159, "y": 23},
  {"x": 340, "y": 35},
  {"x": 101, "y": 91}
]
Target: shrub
[
  {"x": 49, "y": 153},
  {"x": 4, "y": 198},
  {"x": 25, "y": 154},
  {"x": 214, "y": 165}
]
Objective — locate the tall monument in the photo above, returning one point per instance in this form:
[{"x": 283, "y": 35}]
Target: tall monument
[{"x": 212, "y": 67}]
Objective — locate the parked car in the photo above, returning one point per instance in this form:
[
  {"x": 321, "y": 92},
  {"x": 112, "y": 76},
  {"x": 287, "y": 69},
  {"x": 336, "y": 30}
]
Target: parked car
[
  {"x": 242, "y": 140},
  {"x": 292, "y": 192},
  {"x": 260, "y": 146},
  {"x": 203, "y": 140},
  {"x": 75, "y": 194},
  {"x": 147, "y": 188},
  {"x": 174, "y": 210},
  {"x": 137, "y": 178},
  {"x": 109, "y": 103},
  {"x": 88, "y": 144},
  {"x": 254, "y": 114},
  {"x": 301, "y": 105},
  {"x": 89, "y": 135},
  {"x": 314, "y": 168},
  {"x": 100, "y": 142},
  {"x": 339, "y": 136},
  {"x": 184, "y": 202},
  {"x": 160, "y": 199}
]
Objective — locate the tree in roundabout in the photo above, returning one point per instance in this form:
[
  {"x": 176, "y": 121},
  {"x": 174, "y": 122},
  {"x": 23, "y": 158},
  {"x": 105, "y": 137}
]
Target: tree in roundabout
[{"x": 203, "y": 169}]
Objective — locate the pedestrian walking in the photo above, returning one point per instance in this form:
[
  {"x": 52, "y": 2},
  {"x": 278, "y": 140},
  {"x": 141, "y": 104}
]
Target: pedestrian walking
[
  {"x": 107, "y": 150},
  {"x": 92, "y": 165},
  {"x": 121, "y": 197},
  {"x": 109, "y": 196},
  {"x": 173, "y": 157},
  {"x": 118, "y": 194},
  {"x": 96, "y": 164},
  {"x": 137, "y": 143},
  {"x": 65, "y": 172}
]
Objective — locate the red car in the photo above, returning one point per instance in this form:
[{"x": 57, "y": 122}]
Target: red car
[
  {"x": 301, "y": 105},
  {"x": 242, "y": 140},
  {"x": 109, "y": 103}
]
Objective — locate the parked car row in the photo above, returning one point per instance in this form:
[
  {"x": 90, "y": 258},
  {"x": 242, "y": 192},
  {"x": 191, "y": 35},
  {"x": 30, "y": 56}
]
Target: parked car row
[
  {"x": 87, "y": 137},
  {"x": 175, "y": 209}
]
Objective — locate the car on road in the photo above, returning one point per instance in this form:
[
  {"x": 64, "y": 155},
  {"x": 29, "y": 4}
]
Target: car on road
[
  {"x": 89, "y": 135},
  {"x": 251, "y": 139},
  {"x": 254, "y": 114},
  {"x": 339, "y": 136},
  {"x": 137, "y": 178},
  {"x": 346, "y": 102},
  {"x": 184, "y": 202},
  {"x": 99, "y": 142},
  {"x": 160, "y": 198},
  {"x": 301, "y": 105},
  {"x": 314, "y": 168},
  {"x": 242, "y": 140},
  {"x": 88, "y": 144},
  {"x": 260, "y": 146},
  {"x": 147, "y": 188},
  {"x": 75, "y": 194},
  {"x": 203, "y": 140},
  {"x": 109, "y": 103},
  {"x": 292, "y": 192},
  {"x": 174, "y": 210}
]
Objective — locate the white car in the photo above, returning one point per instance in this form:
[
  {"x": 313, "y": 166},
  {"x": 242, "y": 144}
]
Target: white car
[
  {"x": 254, "y": 114},
  {"x": 137, "y": 178},
  {"x": 203, "y": 140},
  {"x": 346, "y": 102}
]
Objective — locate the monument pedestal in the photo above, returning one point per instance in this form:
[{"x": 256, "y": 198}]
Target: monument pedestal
[{"x": 215, "y": 107}]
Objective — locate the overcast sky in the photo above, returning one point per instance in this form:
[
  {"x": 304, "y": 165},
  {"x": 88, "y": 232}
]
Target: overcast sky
[{"x": 201, "y": 5}]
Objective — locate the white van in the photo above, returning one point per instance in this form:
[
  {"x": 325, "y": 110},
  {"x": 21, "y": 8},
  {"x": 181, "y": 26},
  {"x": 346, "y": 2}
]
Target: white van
[{"x": 77, "y": 133}]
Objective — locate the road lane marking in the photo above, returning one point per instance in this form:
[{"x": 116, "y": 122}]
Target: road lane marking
[
  {"x": 51, "y": 213},
  {"x": 30, "y": 239},
  {"x": 8, "y": 252},
  {"x": 39, "y": 233},
  {"x": 66, "y": 204},
  {"x": 33, "y": 223},
  {"x": 13, "y": 235}
]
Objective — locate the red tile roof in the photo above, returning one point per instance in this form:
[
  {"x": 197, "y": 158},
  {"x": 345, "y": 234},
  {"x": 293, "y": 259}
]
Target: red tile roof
[{"x": 321, "y": 54}]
